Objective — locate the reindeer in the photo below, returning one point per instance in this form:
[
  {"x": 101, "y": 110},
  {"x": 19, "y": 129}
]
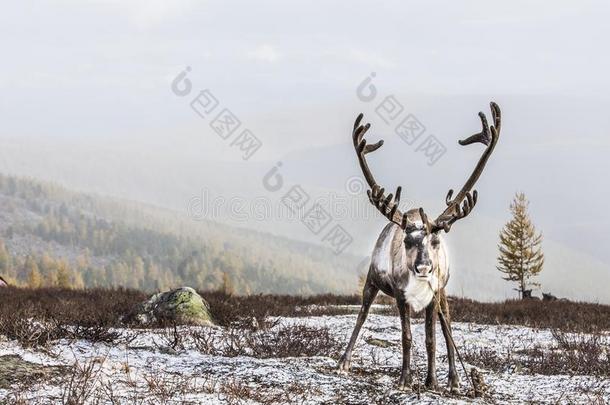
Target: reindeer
[{"x": 410, "y": 261}]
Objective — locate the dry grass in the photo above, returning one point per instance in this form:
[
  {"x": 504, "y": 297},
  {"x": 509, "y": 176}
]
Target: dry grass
[
  {"x": 570, "y": 354},
  {"x": 233, "y": 391},
  {"x": 280, "y": 342},
  {"x": 35, "y": 317},
  {"x": 79, "y": 385},
  {"x": 563, "y": 315}
]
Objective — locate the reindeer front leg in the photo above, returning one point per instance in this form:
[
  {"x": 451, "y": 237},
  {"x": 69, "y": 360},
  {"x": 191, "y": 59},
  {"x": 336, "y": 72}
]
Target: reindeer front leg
[
  {"x": 431, "y": 382},
  {"x": 405, "y": 375},
  {"x": 454, "y": 380},
  {"x": 368, "y": 296}
]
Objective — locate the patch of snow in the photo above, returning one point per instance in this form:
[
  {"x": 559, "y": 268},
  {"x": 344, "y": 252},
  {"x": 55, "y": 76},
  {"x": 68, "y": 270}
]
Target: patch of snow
[{"x": 128, "y": 368}]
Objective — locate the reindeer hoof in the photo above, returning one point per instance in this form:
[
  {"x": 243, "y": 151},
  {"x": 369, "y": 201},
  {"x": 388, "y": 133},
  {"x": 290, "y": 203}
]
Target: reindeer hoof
[
  {"x": 406, "y": 387},
  {"x": 344, "y": 366},
  {"x": 404, "y": 384},
  {"x": 431, "y": 384},
  {"x": 453, "y": 385}
]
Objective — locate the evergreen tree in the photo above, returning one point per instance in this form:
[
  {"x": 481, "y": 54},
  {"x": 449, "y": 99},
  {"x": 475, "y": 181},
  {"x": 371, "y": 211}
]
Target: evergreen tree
[{"x": 521, "y": 256}]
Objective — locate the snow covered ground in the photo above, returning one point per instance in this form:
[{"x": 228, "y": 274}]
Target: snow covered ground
[{"x": 145, "y": 369}]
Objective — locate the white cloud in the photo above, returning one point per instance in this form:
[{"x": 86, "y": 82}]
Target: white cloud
[{"x": 264, "y": 53}]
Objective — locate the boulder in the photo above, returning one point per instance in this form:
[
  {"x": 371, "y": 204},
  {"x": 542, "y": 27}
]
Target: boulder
[{"x": 182, "y": 306}]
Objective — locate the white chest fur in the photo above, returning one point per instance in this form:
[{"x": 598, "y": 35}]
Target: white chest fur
[{"x": 418, "y": 293}]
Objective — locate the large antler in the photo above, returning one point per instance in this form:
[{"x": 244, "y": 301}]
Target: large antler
[
  {"x": 387, "y": 205},
  {"x": 457, "y": 210}
]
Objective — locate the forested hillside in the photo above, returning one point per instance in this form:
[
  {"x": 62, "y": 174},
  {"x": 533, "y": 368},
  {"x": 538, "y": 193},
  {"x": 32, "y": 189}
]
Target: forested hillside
[{"x": 53, "y": 236}]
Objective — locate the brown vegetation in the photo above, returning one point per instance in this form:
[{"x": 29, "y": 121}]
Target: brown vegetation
[
  {"x": 572, "y": 354},
  {"x": 285, "y": 341},
  {"x": 36, "y": 316},
  {"x": 561, "y": 315}
]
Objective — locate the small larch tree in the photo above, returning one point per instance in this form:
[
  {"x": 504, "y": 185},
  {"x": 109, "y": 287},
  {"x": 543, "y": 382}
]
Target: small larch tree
[
  {"x": 63, "y": 275},
  {"x": 34, "y": 277},
  {"x": 521, "y": 256},
  {"x": 227, "y": 284}
]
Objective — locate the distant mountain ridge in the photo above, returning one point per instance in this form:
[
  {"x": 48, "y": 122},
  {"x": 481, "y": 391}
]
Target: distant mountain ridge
[{"x": 101, "y": 241}]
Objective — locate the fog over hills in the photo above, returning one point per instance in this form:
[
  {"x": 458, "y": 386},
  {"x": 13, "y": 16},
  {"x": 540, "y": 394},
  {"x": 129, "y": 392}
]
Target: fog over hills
[{"x": 553, "y": 170}]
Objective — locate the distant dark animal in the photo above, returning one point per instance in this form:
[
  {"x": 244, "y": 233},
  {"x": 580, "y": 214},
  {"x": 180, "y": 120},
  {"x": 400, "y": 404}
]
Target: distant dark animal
[
  {"x": 548, "y": 297},
  {"x": 410, "y": 262},
  {"x": 3, "y": 282},
  {"x": 527, "y": 295},
  {"x": 551, "y": 297}
]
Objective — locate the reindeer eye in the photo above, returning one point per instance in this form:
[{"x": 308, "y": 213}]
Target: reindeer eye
[
  {"x": 435, "y": 241},
  {"x": 410, "y": 239}
]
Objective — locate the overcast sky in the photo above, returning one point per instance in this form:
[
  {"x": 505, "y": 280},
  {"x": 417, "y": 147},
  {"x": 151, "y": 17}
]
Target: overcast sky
[{"x": 104, "y": 67}]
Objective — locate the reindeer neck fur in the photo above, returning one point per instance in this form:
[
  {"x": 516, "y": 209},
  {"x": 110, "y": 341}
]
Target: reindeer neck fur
[{"x": 390, "y": 271}]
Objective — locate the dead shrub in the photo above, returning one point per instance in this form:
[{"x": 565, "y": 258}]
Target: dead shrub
[
  {"x": 205, "y": 341},
  {"x": 233, "y": 391},
  {"x": 562, "y": 315},
  {"x": 486, "y": 358},
  {"x": 81, "y": 382},
  {"x": 279, "y": 342},
  {"x": 34, "y": 317},
  {"x": 27, "y": 330},
  {"x": 294, "y": 341},
  {"x": 229, "y": 310},
  {"x": 91, "y": 312},
  {"x": 165, "y": 387},
  {"x": 171, "y": 338},
  {"x": 572, "y": 354}
]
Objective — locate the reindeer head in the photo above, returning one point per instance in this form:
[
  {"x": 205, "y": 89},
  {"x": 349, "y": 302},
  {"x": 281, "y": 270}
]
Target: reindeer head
[
  {"x": 421, "y": 250},
  {"x": 422, "y": 236}
]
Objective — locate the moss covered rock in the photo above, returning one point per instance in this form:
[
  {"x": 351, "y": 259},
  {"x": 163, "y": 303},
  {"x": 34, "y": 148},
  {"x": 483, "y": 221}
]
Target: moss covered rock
[{"x": 182, "y": 305}]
